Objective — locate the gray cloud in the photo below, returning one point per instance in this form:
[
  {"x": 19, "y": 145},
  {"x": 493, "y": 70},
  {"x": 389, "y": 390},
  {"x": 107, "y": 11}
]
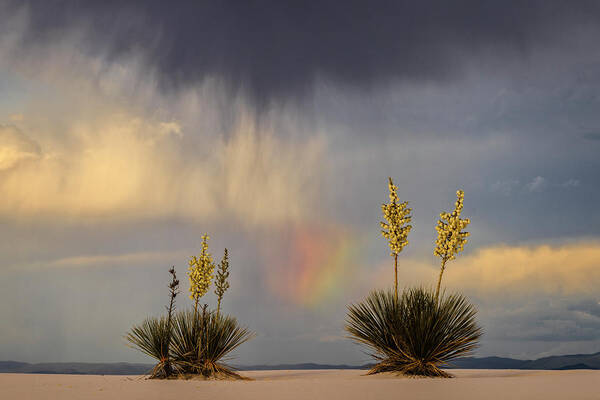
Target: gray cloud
[
  {"x": 589, "y": 307},
  {"x": 537, "y": 184},
  {"x": 510, "y": 186},
  {"x": 548, "y": 320},
  {"x": 593, "y": 136},
  {"x": 505, "y": 187},
  {"x": 571, "y": 183}
]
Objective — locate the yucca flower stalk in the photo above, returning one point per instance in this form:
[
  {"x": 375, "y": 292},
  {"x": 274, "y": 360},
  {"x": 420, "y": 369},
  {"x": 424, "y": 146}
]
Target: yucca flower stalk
[
  {"x": 200, "y": 273},
  {"x": 221, "y": 283},
  {"x": 451, "y": 238},
  {"x": 396, "y": 228},
  {"x": 173, "y": 292}
]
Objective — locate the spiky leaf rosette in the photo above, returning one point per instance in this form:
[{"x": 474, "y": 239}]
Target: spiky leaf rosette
[
  {"x": 186, "y": 336},
  {"x": 152, "y": 337},
  {"x": 203, "y": 346},
  {"x": 417, "y": 335}
]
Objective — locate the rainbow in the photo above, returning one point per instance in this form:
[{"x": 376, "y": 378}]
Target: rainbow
[{"x": 317, "y": 265}]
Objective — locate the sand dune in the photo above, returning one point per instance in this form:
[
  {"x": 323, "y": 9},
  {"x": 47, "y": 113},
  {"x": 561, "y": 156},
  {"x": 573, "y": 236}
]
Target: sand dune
[{"x": 312, "y": 385}]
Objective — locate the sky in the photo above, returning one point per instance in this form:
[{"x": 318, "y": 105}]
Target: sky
[{"x": 130, "y": 129}]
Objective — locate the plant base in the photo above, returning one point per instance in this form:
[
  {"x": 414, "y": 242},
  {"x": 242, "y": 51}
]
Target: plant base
[{"x": 416, "y": 369}]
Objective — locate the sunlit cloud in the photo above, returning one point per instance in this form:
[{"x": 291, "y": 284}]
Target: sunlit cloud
[
  {"x": 568, "y": 269},
  {"x": 130, "y": 167},
  {"x": 15, "y": 147},
  {"x": 111, "y": 260},
  {"x": 563, "y": 269}
]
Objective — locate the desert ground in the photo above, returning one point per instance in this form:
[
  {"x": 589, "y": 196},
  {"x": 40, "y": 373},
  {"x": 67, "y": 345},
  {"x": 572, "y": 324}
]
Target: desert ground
[{"x": 312, "y": 385}]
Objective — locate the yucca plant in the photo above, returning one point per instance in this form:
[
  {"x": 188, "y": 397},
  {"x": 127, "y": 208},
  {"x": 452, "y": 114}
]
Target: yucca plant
[
  {"x": 152, "y": 337},
  {"x": 198, "y": 341},
  {"x": 415, "y": 335},
  {"x": 203, "y": 341}
]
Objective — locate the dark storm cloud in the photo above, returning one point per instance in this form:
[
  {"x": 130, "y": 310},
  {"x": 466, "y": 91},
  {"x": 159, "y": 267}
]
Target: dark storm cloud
[{"x": 276, "y": 49}]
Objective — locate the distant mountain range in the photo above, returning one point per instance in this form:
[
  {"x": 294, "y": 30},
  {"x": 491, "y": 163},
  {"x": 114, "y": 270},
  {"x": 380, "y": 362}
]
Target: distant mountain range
[
  {"x": 575, "y": 361},
  {"x": 75, "y": 368}
]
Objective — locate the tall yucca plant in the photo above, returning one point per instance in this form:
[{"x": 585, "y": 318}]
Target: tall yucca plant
[{"x": 416, "y": 335}]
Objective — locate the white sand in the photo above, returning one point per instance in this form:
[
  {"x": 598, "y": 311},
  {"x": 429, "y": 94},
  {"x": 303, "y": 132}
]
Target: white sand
[{"x": 312, "y": 385}]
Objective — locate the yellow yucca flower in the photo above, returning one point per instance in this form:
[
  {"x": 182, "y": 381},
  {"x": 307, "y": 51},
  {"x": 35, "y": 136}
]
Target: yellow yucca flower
[
  {"x": 451, "y": 239},
  {"x": 396, "y": 229},
  {"x": 200, "y": 272}
]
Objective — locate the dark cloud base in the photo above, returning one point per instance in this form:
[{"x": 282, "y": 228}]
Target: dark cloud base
[{"x": 275, "y": 50}]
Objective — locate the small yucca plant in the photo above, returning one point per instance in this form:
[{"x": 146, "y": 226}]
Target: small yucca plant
[
  {"x": 198, "y": 341},
  {"x": 202, "y": 342},
  {"x": 415, "y": 335}
]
